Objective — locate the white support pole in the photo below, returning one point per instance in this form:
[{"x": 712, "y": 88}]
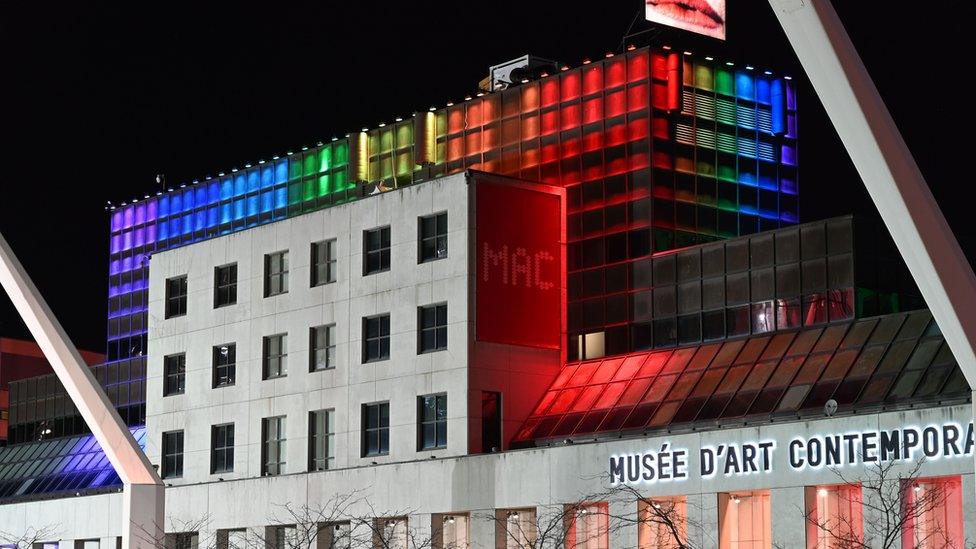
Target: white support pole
[
  {"x": 888, "y": 170},
  {"x": 142, "y": 520}
]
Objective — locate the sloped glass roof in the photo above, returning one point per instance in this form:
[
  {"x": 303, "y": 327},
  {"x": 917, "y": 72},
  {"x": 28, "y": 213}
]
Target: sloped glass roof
[
  {"x": 862, "y": 364},
  {"x": 71, "y": 464}
]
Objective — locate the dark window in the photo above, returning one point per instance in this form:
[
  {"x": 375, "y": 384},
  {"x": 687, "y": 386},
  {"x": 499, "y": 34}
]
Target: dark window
[
  {"x": 324, "y": 262},
  {"x": 491, "y": 421},
  {"x": 274, "y": 356},
  {"x": 174, "y": 374},
  {"x": 376, "y": 429},
  {"x": 322, "y": 348},
  {"x": 432, "y": 416},
  {"x": 176, "y": 296},
  {"x": 321, "y": 436},
  {"x": 432, "y": 324},
  {"x": 225, "y": 285},
  {"x": 222, "y": 448},
  {"x": 224, "y": 365},
  {"x": 376, "y": 250},
  {"x": 432, "y": 237},
  {"x": 273, "y": 445},
  {"x": 376, "y": 338},
  {"x": 172, "y": 454},
  {"x": 275, "y": 274}
]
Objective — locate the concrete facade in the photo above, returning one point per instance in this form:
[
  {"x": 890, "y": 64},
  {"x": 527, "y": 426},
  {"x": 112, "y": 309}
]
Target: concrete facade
[
  {"x": 399, "y": 291},
  {"x": 546, "y": 479}
]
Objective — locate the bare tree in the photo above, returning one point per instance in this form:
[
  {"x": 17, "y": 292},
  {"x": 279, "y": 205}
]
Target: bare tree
[
  {"x": 184, "y": 534},
  {"x": 673, "y": 521},
  {"x": 29, "y": 537},
  {"x": 310, "y": 526},
  {"x": 388, "y": 530},
  {"x": 892, "y": 499}
]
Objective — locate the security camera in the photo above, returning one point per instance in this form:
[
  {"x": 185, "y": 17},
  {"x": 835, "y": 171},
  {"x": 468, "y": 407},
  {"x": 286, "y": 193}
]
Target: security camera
[{"x": 830, "y": 407}]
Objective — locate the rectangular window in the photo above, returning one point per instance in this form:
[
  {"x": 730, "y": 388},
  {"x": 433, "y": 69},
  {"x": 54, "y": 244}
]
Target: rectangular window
[
  {"x": 172, "y": 454},
  {"x": 663, "y": 522},
  {"x": 174, "y": 374},
  {"x": 324, "y": 262},
  {"x": 376, "y": 338},
  {"x": 180, "y": 540},
  {"x": 744, "y": 520},
  {"x": 432, "y": 416},
  {"x": 521, "y": 527},
  {"x": 225, "y": 285},
  {"x": 588, "y": 526},
  {"x": 321, "y": 437},
  {"x": 934, "y": 510},
  {"x": 274, "y": 356},
  {"x": 322, "y": 348},
  {"x": 273, "y": 446},
  {"x": 455, "y": 531},
  {"x": 376, "y": 250},
  {"x": 834, "y": 517},
  {"x": 176, "y": 296},
  {"x": 282, "y": 537},
  {"x": 376, "y": 429},
  {"x": 432, "y": 237},
  {"x": 222, "y": 448},
  {"x": 432, "y": 328},
  {"x": 275, "y": 274},
  {"x": 224, "y": 365}
]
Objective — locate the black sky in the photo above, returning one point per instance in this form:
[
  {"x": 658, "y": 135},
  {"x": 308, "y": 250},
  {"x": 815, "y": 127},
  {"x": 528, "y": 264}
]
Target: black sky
[{"x": 97, "y": 99}]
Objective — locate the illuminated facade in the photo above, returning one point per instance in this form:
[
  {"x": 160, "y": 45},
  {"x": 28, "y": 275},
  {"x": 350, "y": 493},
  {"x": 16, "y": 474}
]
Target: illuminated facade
[{"x": 482, "y": 313}]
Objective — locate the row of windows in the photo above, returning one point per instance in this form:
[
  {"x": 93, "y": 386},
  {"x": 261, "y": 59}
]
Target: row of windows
[
  {"x": 431, "y": 435},
  {"x": 431, "y": 336},
  {"x": 431, "y": 245}
]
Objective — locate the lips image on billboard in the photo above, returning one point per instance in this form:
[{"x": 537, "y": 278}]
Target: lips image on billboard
[{"x": 702, "y": 16}]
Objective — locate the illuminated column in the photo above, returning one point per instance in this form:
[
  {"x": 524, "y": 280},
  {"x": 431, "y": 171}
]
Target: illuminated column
[
  {"x": 142, "y": 511},
  {"x": 789, "y": 523}
]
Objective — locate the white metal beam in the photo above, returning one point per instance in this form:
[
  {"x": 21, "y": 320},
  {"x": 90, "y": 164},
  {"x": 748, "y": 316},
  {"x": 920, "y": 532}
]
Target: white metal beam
[
  {"x": 143, "y": 515},
  {"x": 888, "y": 170}
]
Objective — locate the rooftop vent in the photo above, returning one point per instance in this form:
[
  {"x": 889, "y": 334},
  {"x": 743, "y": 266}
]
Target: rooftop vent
[{"x": 527, "y": 67}]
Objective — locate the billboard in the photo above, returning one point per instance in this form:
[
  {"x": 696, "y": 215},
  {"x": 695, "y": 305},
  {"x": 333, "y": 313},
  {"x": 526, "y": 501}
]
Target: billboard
[
  {"x": 520, "y": 265},
  {"x": 702, "y": 16}
]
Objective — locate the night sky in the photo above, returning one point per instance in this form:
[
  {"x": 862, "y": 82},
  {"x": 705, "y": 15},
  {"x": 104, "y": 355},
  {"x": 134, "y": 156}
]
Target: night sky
[{"x": 98, "y": 100}]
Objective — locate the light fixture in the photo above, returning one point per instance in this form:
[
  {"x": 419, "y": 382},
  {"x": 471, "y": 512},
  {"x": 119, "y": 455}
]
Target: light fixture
[
  {"x": 467, "y": 98},
  {"x": 364, "y": 130},
  {"x": 544, "y": 75},
  {"x": 917, "y": 488},
  {"x": 609, "y": 54},
  {"x": 656, "y": 505},
  {"x": 450, "y": 103},
  {"x": 631, "y": 47},
  {"x": 729, "y": 63},
  {"x": 583, "y": 511},
  {"x": 822, "y": 492},
  {"x": 303, "y": 148},
  {"x": 768, "y": 73},
  {"x": 480, "y": 94},
  {"x": 735, "y": 499},
  {"x": 749, "y": 67},
  {"x": 525, "y": 80},
  {"x": 666, "y": 47},
  {"x": 709, "y": 58},
  {"x": 262, "y": 160},
  {"x": 687, "y": 53},
  {"x": 382, "y": 124},
  {"x": 432, "y": 109},
  {"x": 586, "y": 61},
  {"x": 564, "y": 68},
  {"x": 787, "y": 78},
  {"x": 248, "y": 165},
  {"x": 334, "y": 138},
  {"x": 398, "y": 119}
]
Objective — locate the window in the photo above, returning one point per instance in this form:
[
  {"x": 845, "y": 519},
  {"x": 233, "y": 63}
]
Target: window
[
  {"x": 432, "y": 324},
  {"x": 834, "y": 516},
  {"x": 934, "y": 513},
  {"x": 222, "y": 448},
  {"x": 663, "y": 522},
  {"x": 224, "y": 365},
  {"x": 744, "y": 520},
  {"x": 376, "y": 338},
  {"x": 225, "y": 285},
  {"x": 274, "y": 356},
  {"x": 324, "y": 262},
  {"x": 172, "y": 454},
  {"x": 455, "y": 530},
  {"x": 391, "y": 533},
  {"x": 432, "y": 237},
  {"x": 376, "y": 250},
  {"x": 176, "y": 296},
  {"x": 174, "y": 374},
  {"x": 275, "y": 274},
  {"x": 432, "y": 416},
  {"x": 181, "y": 540},
  {"x": 588, "y": 526},
  {"x": 273, "y": 446},
  {"x": 376, "y": 429},
  {"x": 321, "y": 436},
  {"x": 520, "y": 527},
  {"x": 322, "y": 348}
]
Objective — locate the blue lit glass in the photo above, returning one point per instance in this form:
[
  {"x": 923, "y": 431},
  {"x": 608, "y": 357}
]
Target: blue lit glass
[
  {"x": 226, "y": 189},
  {"x": 281, "y": 197},
  {"x": 281, "y": 171},
  {"x": 253, "y": 180},
  {"x": 240, "y": 185},
  {"x": 744, "y": 88},
  {"x": 265, "y": 202},
  {"x": 267, "y": 176}
]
